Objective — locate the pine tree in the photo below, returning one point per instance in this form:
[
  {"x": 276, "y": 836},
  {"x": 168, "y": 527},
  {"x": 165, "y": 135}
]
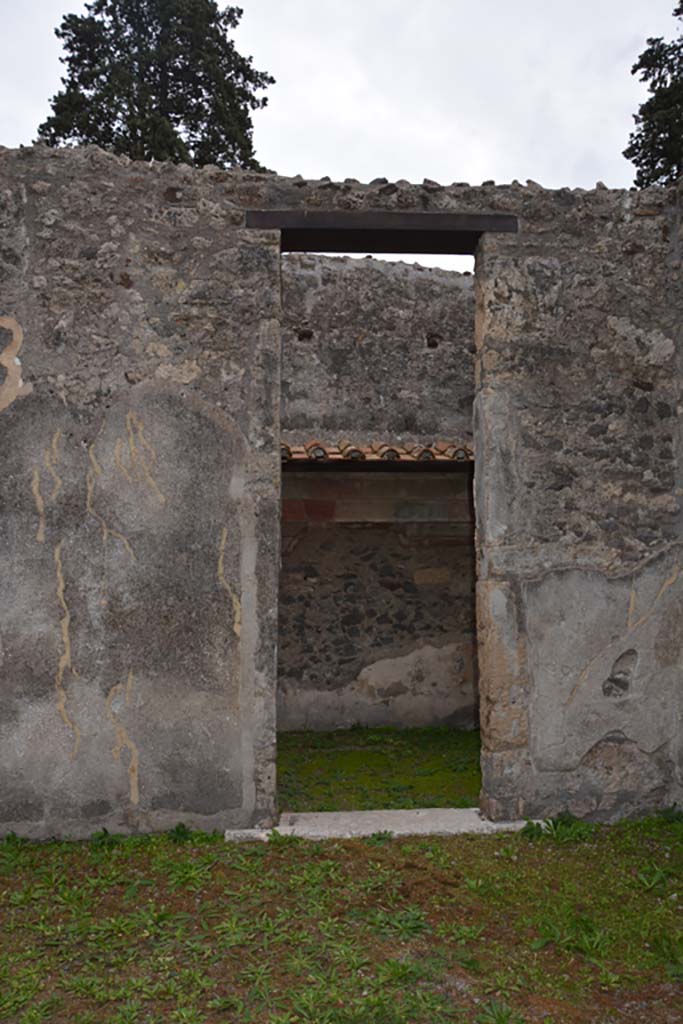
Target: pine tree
[
  {"x": 157, "y": 79},
  {"x": 656, "y": 146}
]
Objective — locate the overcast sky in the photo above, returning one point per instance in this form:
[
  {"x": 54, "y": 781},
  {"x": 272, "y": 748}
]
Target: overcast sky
[{"x": 454, "y": 90}]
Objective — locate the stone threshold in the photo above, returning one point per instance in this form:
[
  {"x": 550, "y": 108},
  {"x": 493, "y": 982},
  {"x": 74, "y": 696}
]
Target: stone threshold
[{"x": 429, "y": 821}]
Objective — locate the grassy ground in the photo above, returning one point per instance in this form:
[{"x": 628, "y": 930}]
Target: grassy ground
[
  {"x": 572, "y": 924},
  {"x": 363, "y": 769}
]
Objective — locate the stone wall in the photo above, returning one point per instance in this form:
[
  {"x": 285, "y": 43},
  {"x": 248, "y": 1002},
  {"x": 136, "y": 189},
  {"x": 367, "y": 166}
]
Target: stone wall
[
  {"x": 578, "y": 493},
  {"x": 376, "y": 600},
  {"x": 139, "y": 484},
  {"x": 139, "y": 489},
  {"x": 376, "y": 350}
]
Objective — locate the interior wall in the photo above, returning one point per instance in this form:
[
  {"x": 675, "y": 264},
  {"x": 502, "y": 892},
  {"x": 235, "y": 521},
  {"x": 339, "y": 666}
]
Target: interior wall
[
  {"x": 375, "y": 351},
  {"x": 376, "y": 600}
]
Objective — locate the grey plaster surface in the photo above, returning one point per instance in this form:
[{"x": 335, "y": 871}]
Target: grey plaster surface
[
  {"x": 139, "y": 485},
  {"x": 139, "y": 488}
]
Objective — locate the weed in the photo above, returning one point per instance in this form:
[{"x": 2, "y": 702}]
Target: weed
[
  {"x": 431, "y": 1006},
  {"x": 482, "y": 886},
  {"x": 41, "y": 1011},
  {"x": 187, "y": 1015},
  {"x": 180, "y": 833},
  {"x": 399, "y": 972},
  {"x": 498, "y": 1013},
  {"x": 609, "y": 979},
  {"x": 188, "y": 874},
  {"x": 404, "y": 923},
  {"x": 456, "y": 932},
  {"x": 379, "y": 838},
  {"x": 128, "y": 1013},
  {"x": 469, "y": 962},
  {"x": 667, "y": 950},
  {"x": 280, "y": 839},
  {"x": 503, "y": 983},
  {"x": 577, "y": 934},
  {"x": 672, "y": 814},
  {"x": 14, "y": 853},
  {"x": 563, "y": 829},
  {"x": 228, "y": 1004},
  {"x": 652, "y": 877}
]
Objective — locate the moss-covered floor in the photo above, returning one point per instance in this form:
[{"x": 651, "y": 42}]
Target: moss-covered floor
[{"x": 367, "y": 769}]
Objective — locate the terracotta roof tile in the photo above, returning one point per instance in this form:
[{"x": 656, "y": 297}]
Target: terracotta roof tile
[{"x": 320, "y": 451}]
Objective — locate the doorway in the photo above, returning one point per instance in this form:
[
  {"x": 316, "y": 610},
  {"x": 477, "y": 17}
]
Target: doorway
[
  {"x": 386, "y": 363},
  {"x": 377, "y": 690}
]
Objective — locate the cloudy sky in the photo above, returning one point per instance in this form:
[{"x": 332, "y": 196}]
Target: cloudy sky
[{"x": 454, "y": 90}]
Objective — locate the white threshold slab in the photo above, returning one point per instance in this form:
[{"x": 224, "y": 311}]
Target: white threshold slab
[{"x": 429, "y": 821}]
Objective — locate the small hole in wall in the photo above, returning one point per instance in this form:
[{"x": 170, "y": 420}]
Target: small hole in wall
[
  {"x": 433, "y": 340},
  {"x": 304, "y": 334},
  {"x": 620, "y": 678}
]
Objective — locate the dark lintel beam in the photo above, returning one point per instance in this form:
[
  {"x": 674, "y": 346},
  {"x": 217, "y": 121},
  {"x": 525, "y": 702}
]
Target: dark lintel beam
[{"x": 377, "y": 231}]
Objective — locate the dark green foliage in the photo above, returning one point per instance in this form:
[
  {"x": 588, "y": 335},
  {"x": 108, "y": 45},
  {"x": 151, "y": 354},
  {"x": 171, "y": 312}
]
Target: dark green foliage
[
  {"x": 656, "y": 146},
  {"x": 673, "y": 814},
  {"x": 157, "y": 79},
  {"x": 565, "y": 828},
  {"x": 180, "y": 833}
]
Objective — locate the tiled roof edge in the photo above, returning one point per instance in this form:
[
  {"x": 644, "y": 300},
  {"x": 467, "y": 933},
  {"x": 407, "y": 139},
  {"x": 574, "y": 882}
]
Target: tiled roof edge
[{"x": 377, "y": 451}]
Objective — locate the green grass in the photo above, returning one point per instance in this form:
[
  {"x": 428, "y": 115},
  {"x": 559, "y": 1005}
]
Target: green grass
[
  {"x": 365, "y": 769},
  {"x": 564, "y": 925}
]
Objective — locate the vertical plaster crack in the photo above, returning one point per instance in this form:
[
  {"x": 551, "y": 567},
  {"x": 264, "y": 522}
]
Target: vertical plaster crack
[
  {"x": 143, "y": 457},
  {"x": 94, "y": 472},
  {"x": 50, "y": 458},
  {"x": 123, "y": 740},
  {"x": 65, "y": 659},
  {"x": 40, "y": 505},
  {"x": 660, "y": 593},
  {"x": 631, "y": 608},
  {"x": 236, "y": 606},
  {"x": 119, "y": 449}
]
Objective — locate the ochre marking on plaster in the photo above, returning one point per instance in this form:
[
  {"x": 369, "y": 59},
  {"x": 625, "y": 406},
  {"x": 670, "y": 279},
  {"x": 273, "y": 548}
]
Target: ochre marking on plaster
[
  {"x": 142, "y": 454},
  {"x": 236, "y": 606},
  {"x": 660, "y": 593},
  {"x": 119, "y": 449},
  {"x": 631, "y": 608},
  {"x": 94, "y": 472},
  {"x": 631, "y": 627},
  {"x": 123, "y": 740},
  {"x": 65, "y": 659},
  {"x": 50, "y": 458},
  {"x": 40, "y": 505},
  {"x": 12, "y": 386}
]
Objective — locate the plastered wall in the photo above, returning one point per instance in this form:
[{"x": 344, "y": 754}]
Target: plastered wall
[
  {"x": 375, "y": 351},
  {"x": 139, "y": 489},
  {"x": 139, "y": 497},
  {"x": 577, "y": 427}
]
